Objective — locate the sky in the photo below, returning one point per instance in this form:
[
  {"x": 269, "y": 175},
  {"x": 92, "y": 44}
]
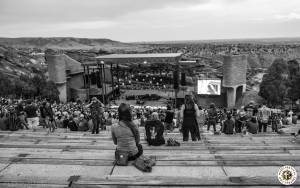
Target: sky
[{"x": 150, "y": 20}]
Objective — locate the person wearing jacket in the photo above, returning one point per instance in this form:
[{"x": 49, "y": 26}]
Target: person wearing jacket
[
  {"x": 97, "y": 109},
  {"x": 154, "y": 131},
  {"x": 252, "y": 126},
  {"x": 228, "y": 125},
  {"x": 212, "y": 117}
]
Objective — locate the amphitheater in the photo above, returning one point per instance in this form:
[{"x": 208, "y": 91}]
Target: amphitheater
[{"x": 79, "y": 159}]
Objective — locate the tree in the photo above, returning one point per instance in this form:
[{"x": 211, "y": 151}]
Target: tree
[
  {"x": 50, "y": 91},
  {"x": 294, "y": 81},
  {"x": 294, "y": 90},
  {"x": 5, "y": 85},
  {"x": 24, "y": 87},
  {"x": 294, "y": 69},
  {"x": 39, "y": 81},
  {"x": 275, "y": 83},
  {"x": 28, "y": 87}
]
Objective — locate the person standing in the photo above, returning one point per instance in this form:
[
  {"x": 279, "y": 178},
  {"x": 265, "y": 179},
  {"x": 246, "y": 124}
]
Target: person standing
[
  {"x": 274, "y": 120},
  {"x": 31, "y": 114},
  {"x": 169, "y": 119},
  {"x": 12, "y": 119},
  {"x": 96, "y": 108},
  {"x": 250, "y": 110},
  {"x": 189, "y": 114},
  {"x": 223, "y": 118},
  {"x": 201, "y": 119},
  {"x": 264, "y": 114},
  {"x": 21, "y": 116},
  {"x": 49, "y": 117},
  {"x": 212, "y": 117},
  {"x": 3, "y": 121},
  {"x": 42, "y": 115},
  {"x": 240, "y": 120}
]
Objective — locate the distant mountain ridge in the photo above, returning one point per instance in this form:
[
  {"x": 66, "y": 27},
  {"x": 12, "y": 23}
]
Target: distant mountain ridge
[
  {"x": 278, "y": 40},
  {"x": 63, "y": 43}
]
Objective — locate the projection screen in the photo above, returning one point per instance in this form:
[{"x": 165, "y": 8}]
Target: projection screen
[{"x": 209, "y": 87}]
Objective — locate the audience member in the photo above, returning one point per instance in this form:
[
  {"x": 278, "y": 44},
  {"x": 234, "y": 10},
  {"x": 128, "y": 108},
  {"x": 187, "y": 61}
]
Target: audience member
[
  {"x": 154, "y": 131},
  {"x": 228, "y": 125}
]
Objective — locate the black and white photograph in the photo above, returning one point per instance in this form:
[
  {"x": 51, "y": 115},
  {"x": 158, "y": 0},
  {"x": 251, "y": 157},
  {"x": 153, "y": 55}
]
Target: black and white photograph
[{"x": 149, "y": 93}]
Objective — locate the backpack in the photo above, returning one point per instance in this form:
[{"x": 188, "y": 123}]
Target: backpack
[
  {"x": 144, "y": 164},
  {"x": 172, "y": 142}
]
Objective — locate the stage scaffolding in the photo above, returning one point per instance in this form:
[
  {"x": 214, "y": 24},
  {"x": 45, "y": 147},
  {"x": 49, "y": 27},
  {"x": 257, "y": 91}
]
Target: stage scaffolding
[{"x": 114, "y": 61}]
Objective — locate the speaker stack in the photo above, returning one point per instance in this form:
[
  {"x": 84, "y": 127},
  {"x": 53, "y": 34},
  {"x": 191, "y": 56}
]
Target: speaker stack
[
  {"x": 176, "y": 79},
  {"x": 183, "y": 80}
]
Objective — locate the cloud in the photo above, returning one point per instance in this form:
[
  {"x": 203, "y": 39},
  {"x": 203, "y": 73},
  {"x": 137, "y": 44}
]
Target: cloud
[
  {"x": 81, "y": 10},
  {"x": 290, "y": 16},
  {"x": 135, "y": 20},
  {"x": 87, "y": 25}
]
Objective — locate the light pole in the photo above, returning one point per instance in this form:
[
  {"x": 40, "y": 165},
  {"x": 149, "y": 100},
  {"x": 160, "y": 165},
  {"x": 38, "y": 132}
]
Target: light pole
[{"x": 103, "y": 80}]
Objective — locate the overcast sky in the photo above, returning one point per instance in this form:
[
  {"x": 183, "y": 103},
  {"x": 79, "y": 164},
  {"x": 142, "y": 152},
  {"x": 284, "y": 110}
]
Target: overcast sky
[{"x": 150, "y": 20}]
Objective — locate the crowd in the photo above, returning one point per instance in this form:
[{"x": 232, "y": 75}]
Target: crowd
[
  {"x": 81, "y": 116},
  {"x": 142, "y": 78},
  {"x": 30, "y": 114},
  {"x": 74, "y": 116}
]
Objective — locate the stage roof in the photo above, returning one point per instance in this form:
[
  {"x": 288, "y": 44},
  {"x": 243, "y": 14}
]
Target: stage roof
[
  {"x": 127, "y": 56},
  {"x": 138, "y": 58}
]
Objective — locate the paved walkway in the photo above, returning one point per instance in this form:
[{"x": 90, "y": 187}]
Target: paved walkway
[{"x": 79, "y": 159}]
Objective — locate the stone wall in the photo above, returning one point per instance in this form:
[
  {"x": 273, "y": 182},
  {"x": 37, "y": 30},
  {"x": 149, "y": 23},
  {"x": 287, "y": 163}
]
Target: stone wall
[
  {"x": 234, "y": 70},
  {"x": 234, "y": 77},
  {"x": 56, "y": 68}
]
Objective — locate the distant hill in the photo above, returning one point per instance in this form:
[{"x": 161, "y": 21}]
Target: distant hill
[
  {"x": 280, "y": 40},
  {"x": 15, "y": 62},
  {"x": 67, "y": 43},
  {"x": 26, "y": 56}
]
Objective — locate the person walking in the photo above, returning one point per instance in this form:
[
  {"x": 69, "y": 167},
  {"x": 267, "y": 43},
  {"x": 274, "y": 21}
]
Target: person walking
[
  {"x": 96, "y": 108},
  {"x": 189, "y": 114}
]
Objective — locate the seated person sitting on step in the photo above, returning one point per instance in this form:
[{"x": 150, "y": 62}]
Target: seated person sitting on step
[
  {"x": 125, "y": 134},
  {"x": 252, "y": 126},
  {"x": 228, "y": 125},
  {"x": 154, "y": 130},
  {"x": 72, "y": 125}
]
